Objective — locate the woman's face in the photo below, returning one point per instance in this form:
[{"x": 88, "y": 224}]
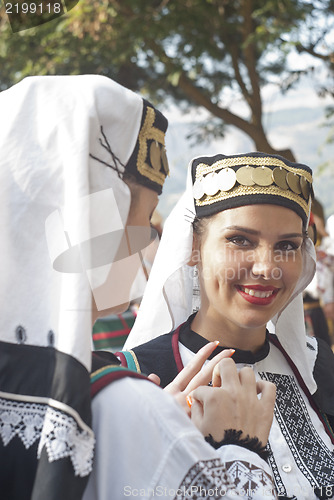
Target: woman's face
[{"x": 249, "y": 263}]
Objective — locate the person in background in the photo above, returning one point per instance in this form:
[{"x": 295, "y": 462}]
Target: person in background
[
  {"x": 82, "y": 163},
  {"x": 319, "y": 294}
]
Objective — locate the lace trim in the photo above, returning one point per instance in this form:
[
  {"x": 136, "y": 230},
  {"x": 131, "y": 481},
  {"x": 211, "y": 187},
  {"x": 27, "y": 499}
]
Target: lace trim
[{"x": 57, "y": 431}]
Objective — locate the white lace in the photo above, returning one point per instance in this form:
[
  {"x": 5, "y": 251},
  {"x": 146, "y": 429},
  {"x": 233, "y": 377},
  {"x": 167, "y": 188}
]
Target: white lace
[{"x": 56, "y": 430}]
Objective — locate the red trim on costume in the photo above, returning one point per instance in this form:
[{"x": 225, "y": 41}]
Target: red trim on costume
[
  {"x": 122, "y": 320},
  {"x": 110, "y": 334},
  {"x": 302, "y": 384},
  {"x": 175, "y": 347}
]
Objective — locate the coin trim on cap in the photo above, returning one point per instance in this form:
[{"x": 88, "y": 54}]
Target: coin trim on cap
[
  {"x": 262, "y": 176},
  {"x": 293, "y": 182},
  {"x": 305, "y": 187},
  {"x": 244, "y": 175},
  {"x": 210, "y": 184},
  {"x": 279, "y": 177},
  {"x": 226, "y": 179},
  {"x": 155, "y": 155},
  {"x": 198, "y": 189}
]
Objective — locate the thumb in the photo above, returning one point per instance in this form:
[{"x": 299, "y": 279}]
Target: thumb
[{"x": 154, "y": 378}]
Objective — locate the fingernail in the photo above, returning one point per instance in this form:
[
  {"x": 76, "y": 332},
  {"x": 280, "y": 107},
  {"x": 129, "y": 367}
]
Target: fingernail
[
  {"x": 232, "y": 351},
  {"x": 189, "y": 401},
  {"x": 216, "y": 342}
]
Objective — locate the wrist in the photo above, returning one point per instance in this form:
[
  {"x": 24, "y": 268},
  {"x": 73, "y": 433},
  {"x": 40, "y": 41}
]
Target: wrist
[{"x": 232, "y": 436}]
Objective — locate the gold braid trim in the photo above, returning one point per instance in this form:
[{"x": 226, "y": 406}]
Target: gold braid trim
[
  {"x": 135, "y": 360},
  {"x": 97, "y": 372},
  {"x": 203, "y": 169},
  {"x": 149, "y": 132},
  {"x": 251, "y": 190}
]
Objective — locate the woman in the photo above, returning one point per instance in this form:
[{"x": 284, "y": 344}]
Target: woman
[
  {"x": 82, "y": 163},
  {"x": 243, "y": 223}
]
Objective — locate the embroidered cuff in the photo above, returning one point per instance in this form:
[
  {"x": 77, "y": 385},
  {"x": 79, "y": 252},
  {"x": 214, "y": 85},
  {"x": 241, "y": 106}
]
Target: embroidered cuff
[{"x": 232, "y": 436}]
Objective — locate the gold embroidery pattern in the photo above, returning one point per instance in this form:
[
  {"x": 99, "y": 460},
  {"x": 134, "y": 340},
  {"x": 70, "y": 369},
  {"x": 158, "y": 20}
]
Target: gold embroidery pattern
[{"x": 149, "y": 132}]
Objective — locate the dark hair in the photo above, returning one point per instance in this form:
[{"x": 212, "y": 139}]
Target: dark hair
[{"x": 200, "y": 224}]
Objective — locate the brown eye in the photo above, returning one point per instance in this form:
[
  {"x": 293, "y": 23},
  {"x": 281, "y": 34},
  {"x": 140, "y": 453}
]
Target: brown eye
[
  {"x": 239, "y": 240},
  {"x": 286, "y": 246}
]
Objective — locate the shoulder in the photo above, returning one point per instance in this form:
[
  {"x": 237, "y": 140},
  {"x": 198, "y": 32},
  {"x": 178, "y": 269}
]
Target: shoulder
[
  {"x": 106, "y": 369},
  {"x": 156, "y": 356},
  {"x": 160, "y": 344}
]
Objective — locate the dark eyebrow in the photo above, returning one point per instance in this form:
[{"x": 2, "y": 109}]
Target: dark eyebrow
[
  {"x": 257, "y": 233},
  {"x": 243, "y": 229},
  {"x": 292, "y": 235}
]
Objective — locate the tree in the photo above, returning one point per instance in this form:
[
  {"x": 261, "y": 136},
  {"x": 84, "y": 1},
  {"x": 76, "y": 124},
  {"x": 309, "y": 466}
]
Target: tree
[{"x": 210, "y": 53}]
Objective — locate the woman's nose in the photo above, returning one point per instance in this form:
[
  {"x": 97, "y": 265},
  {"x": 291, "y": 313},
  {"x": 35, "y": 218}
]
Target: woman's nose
[{"x": 264, "y": 264}]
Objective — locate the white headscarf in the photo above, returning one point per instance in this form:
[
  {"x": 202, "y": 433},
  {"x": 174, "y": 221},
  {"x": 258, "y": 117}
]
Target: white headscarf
[
  {"x": 56, "y": 199},
  {"x": 169, "y": 296}
]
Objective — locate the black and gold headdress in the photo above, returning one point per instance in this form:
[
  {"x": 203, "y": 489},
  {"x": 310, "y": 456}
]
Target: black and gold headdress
[
  {"x": 148, "y": 162},
  {"x": 221, "y": 182}
]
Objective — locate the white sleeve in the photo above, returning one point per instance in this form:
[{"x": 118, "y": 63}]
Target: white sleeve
[{"x": 147, "y": 447}]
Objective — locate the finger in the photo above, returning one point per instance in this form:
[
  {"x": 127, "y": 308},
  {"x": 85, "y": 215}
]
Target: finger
[
  {"x": 267, "y": 391},
  {"x": 205, "y": 375},
  {"x": 248, "y": 380},
  {"x": 197, "y": 412},
  {"x": 154, "y": 378},
  {"x": 226, "y": 375},
  {"x": 199, "y": 394},
  {"x": 182, "y": 380}
]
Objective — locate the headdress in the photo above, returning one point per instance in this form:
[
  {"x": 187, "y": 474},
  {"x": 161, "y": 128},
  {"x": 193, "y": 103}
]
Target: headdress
[
  {"x": 55, "y": 200},
  {"x": 222, "y": 182},
  {"x": 215, "y": 184}
]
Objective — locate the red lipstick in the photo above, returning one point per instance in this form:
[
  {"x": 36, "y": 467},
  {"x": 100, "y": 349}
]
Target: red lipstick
[{"x": 258, "y": 294}]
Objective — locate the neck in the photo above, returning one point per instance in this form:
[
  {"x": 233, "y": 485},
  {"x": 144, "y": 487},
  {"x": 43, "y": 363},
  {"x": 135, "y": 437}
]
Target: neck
[{"x": 229, "y": 334}]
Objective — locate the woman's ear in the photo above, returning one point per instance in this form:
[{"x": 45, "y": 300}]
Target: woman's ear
[{"x": 195, "y": 252}]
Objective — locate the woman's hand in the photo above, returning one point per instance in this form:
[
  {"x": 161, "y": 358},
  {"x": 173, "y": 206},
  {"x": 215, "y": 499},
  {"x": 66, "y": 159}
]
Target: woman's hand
[
  {"x": 194, "y": 374},
  {"x": 233, "y": 403}
]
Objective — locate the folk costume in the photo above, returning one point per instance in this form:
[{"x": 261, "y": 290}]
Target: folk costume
[
  {"x": 301, "y": 442},
  {"x": 66, "y": 145}
]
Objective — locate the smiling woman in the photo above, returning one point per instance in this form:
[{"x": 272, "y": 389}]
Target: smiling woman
[
  {"x": 233, "y": 260},
  {"x": 252, "y": 272}
]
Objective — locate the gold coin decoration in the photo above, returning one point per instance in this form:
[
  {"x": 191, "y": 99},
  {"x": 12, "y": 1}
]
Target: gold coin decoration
[
  {"x": 279, "y": 177},
  {"x": 262, "y": 176},
  {"x": 248, "y": 175},
  {"x": 210, "y": 184},
  {"x": 198, "y": 189},
  {"x": 305, "y": 187},
  {"x": 155, "y": 155},
  {"x": 226, "y": 179},
  {"x": 293, "y": 182},
  {"x": 244, "y": 176},
  {"x": 164, "y": 160}
]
